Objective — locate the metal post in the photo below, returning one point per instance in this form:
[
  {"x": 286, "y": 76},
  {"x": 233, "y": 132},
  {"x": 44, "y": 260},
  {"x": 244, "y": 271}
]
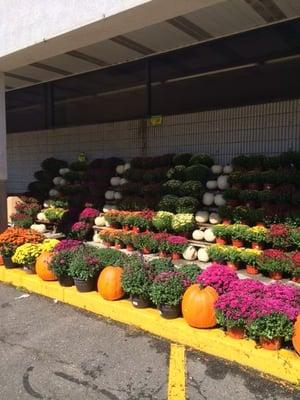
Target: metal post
[
  {"x": 148, "y": 88},
  {"x": 3, "y": 156}
]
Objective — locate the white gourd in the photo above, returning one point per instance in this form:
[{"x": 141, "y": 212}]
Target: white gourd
[
  {"x": 127, "y": 166},
  {"x": 64, "y": 171},
  {"x": 62, "y": 182},
  {"x": 190, "y": 253},
  {"x": 100, "y": 221},
  {"x": 209, "y": 235},
  {"x": 109, "y": 195},
  {"x": 223, "y": 182},
  {"x": 211, "y": 185},
  {"x": 215, "y": 218},
  {"x": 53, "y": 193},
  {"x": 96, "y": 238},
  {"x": 202, "y": 255},
  {"x": 202, "y": 216},
  {"x": 41, "y": 216},
  {"x": 219, "y": 200},
  {"x": 217, "y": 169},
  {"x": 120, "y": 169},
  {"x": 46, "y": 204},
  {"x": 41, "y": 228},
  {"x": 123, "y": 181},
  {"x": 115, "y": 181},
  {"x": 198, "y": 234},
  {"x": 227, "y": 169},
  {"x": 208, "y": 199},
  {"x": 118, "y": 196},
  {"x": 56, "y": 180}
]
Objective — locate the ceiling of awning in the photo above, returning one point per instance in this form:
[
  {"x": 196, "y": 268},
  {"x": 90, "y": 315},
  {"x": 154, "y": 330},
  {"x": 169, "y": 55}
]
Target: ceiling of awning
[{"x": 227, "y": 17}]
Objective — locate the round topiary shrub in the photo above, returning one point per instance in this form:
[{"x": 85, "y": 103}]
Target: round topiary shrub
[
  {"x": 182, "y": 159},
  {"x": 187, "y": 205},
  {"x": 203, "y": 159},
  {"x": 197, "y": 173},
  {"x": 168, "y": 203},
  {"x": 192, "y": 188},
  {"x": 176, "y": 172},
  {"x": 172, "y": 187}
]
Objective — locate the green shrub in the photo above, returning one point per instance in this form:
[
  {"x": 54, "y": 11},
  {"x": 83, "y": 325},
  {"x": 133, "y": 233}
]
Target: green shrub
[
  {"x": 168, "y": 203},
  {"x": 192, "y": 188},
  {"x": 187, "y": 205},
  {"x": 197, "y": 173},
  {"x": 176, "y": 172},
  {"x": 203, "y": 159},
  {"x": 172, "y": 186},
  {"x": 162, "y": 221},
  {"x": 182, "y": 159}
]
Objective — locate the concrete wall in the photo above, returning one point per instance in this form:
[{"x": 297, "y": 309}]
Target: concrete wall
[{"x": 265, "y": 128}]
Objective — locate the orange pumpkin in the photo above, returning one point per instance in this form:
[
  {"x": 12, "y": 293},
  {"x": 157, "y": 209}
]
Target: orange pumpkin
[
  {"x": 198, "y": 306},
  {"x": 42, "y": 267},
  {"x": 296, "y": 337},
  {"x": 109, "y": 283}
]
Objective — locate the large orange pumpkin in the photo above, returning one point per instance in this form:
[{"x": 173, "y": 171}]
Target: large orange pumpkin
[
  {"x": 296, "y": 337},
  {"x": 198, "y": 306},
  {"x": 42, "y": 267},
  {"x": 109, "y": 283}
]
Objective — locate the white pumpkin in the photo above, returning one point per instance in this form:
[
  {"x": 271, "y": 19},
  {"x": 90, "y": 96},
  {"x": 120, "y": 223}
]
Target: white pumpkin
[
  {"x": 100, "y": 221},
  {"x": 127, "y": 166},
  {"x": 53, "y": 193},
  {"x": 223, "y": 182},
  {"x": 109, "y": 195},
  {"x": 211, "y": 185},
  {"x": 214, "y": 218},
  {"x": 209, "y": 235},
  {"x": 219, "y": 200},
  {"x": 46, "y": 203},
  {"x": 190, "y": 253},
  {"x": 202, "y": 217},
  {"x": 41, "y": 216},
  {"x": 108, "y": 207},
  {"x": 227, "y": 169},
  {"x": 217, "y": 169},
  {"x": 115, "y": 181},
  {"x": 118, "y": 196},
  {"x": 123, "y": 181},
  {"x": 198, "y": 234},
  {"x": 96, "y": 238},
  {"x": 41, "y": 228},
  {"x": 202, "y": 255},
  {"x": 64, "y": 171},
  {"x": 208, "y": 199},
  {"x": 120, "y": 169},
  {"x": 56, "y": 180},
  {"x": 62, "y": 182}
]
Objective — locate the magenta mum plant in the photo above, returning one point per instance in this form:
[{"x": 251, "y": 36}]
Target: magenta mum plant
[
  {"x": 88, "y": 214},
  {"x": 220, "y": 277},
  {"x": 67, "y": 244},
  {"x": 176, "y": 244}
]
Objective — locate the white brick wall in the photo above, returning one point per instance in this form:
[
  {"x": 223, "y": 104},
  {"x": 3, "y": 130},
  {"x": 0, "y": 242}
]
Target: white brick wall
[{"x": 265, "y": 128}]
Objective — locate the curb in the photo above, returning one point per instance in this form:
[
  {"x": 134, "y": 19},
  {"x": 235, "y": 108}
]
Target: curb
[{"x": 282, "y": 364}]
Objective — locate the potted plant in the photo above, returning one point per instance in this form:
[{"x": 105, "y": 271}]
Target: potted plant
[
  {"x": 225, "y": 214},
  {"x": 146, "y": 243},
  {"x": 183, "y": 223},
  {"x": 89, "y": 214},
  {"x": 232, "y": 197},
  {"x": 218, "y": 276},
  {"x": 237, "y": 232},
  {"x": 249, "y": 197},
  {"x": 162, "y": 265},
  {"x": 296, "y": 266},
  {"x": 253, "y": 180},
  {"x": 233, "y": 258},
  {"x": 279, "y": 236},
  {"x": 271, "y": 330},
  {"x": 270, "y": 178},
  {"x": 7, "y": 251},
  {"x": 275, "y": 263},
  {"x": 176, "y": 246},
  {"x": 128, "y": 239},
  {"x": 136, "y": 281},
  {"x": 221, "y": 233},
  {"x": 84, "y": 268},
  {"x": 107, "y": 237},
  {"x": 217, "y": 253},
  {"x": 26, "y": 255},
  {"x": 187, "y": 205},
  {"x": 295, "y": 238},
  {"x": 60, "y": 265},
  {"x": 163, "y": 245},
  {"x": 162, "y": 221},
  {"x": 236, "y": 180},
  {"x": 81, "y": 231},
  {"x": 190, "y": 273},
  {"x": 166, "y": 293},
  {"x": 256, "y": 236},
  {"x": 119, "y": 237},
  {"x": 250, "y": 258}
]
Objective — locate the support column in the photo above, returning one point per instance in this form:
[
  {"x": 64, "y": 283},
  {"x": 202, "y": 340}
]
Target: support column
[{"x": 3, "y": 156}]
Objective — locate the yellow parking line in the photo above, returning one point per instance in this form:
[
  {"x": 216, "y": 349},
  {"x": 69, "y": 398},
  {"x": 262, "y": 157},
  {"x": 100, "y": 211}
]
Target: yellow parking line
[{"x": 176, "y": 384}]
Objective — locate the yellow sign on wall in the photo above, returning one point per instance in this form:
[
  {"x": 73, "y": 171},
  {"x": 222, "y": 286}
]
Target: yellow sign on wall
[{"x": 156, "y": 120}]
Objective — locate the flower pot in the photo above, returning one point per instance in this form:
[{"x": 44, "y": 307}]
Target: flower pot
[
  {"x": 261, "y": 224},
  {"x": 114, "y": 226},
  {"x": 7, "y": 261},
  {"x": 66, "y": 280},
  {"x": 129, "y": 247},
  {"x": 296, "y": 279},
  {"x": 220, "y": 240},
  {"x": 1, "y": 260},
  {"x": 253, "y": 186},
  {"x": 136, "y": 229},
  {"x": 268, "y": 186},
  {"x": 275, "y": 275},
  {"x": 237, "y": 243},
  {"x": 257, "y": 246},
  {"x": 140, "y": 302},
  {"x": 29, "y": 269},
  {"x": 169, "y": 312},
  {"x": 251, "y": 270},
  {"x": 119, "y": 246},
  {"x": 85, "y": 286},
  {"x": 146, "y": 251},
  {"x": 126, "y": 228},
  {"x": 106, "y": 244},
  {"x": 162, "y": 254},
  {"x": 236, "y": 333},
  {"x": 176, "y": 256},
  {"x": 270, "y": 344},
  {"x": 232, "y": 266},
  {"x": 232, "y": 203},
  {"x": 226, "y": 222}
]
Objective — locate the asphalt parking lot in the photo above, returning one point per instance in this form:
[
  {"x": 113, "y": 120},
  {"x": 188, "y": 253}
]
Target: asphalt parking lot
[{"x": 52, "y": 351}]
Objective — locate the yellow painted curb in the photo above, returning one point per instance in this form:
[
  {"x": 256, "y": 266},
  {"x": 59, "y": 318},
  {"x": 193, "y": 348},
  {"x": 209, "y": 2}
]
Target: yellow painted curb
[
  {"x": 281, "y": 364},
  {"x": 176, "y": 382}
]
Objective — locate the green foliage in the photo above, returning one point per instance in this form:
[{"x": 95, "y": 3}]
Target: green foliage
[
  {"x": 275, "y": 325},
  {"x": 172, "y": 186},
  {"x": 197, "y": 173},
  {"x": 176, "y": 172},
  {"x": 217, "y": 252},
  {"x": 168, "y": 203},
  {"x": 168, "y": 290},
  {"x": 137, "y": 277},
  {"x": 85, "y": 263},
  {"x": 187, "y": 205},
  {"x": 221, "y": 231},
  {"x": 162, "y": 221},
  {"x": 190, "y": 272},
  {"x": 145, "y": 241},
  {"x": 79, "y": 166},
  {"x": 134, "y": 174},
  {"x": 183, "y": 223},
  {"x": 203, "y": 159},
  {"x": 60, "y": 262},
  {"x": 162, "y": 265},
  {"x": 112, "y": 257},
  {"x": 192, "y": 188},
  {"x": 53, "y": 165},
  {"x": 182, "y": 159}
]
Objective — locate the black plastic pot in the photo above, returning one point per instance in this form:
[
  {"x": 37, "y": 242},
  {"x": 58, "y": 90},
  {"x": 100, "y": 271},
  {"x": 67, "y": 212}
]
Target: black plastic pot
[
  {"x": 66, "y": 280},
  {"x": 30, "y": 269},
  {"x": 140, "y": 302},
  {"x": 85, "y": 286},
  {"x": 170, "y": 312},
  {"x": 8, "y": 262}
]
